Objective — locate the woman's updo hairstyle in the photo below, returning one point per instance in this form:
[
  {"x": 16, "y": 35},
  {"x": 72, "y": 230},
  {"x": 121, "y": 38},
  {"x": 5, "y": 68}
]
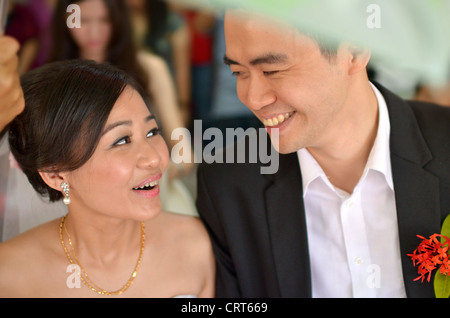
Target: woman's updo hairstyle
[{"x": 67, "y": 105}]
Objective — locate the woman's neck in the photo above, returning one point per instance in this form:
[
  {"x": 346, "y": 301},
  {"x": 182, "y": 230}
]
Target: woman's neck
[{"x": 102, "y": 239}]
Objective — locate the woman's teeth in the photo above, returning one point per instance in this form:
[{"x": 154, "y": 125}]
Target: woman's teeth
[
  {"x": 277, "y": 120},
  {"x": 150, "y": 185}
]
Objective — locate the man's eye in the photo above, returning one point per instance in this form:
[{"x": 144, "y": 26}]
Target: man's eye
[
  {"x": 268, "y": 73},
  {"x": 153, "y": 132},
  {"x": 236, "y": 73}
]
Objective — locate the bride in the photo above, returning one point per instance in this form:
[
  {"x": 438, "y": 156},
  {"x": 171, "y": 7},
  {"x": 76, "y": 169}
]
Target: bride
[{"x": 87, "y": 137}]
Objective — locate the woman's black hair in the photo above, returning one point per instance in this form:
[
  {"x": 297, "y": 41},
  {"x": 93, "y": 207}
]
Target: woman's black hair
[{"x": 67, "y": 104}]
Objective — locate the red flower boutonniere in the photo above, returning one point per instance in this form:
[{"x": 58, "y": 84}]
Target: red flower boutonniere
[{"x": 431, "y": 254}]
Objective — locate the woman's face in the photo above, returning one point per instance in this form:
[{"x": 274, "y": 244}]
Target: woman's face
[
  {"x": 95, "y": 33},
  {"x": 121, "y": 178}
]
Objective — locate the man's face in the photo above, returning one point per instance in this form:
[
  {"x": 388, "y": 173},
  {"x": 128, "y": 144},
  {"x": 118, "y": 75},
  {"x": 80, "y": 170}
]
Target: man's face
[{"x": 285, "y": 80}]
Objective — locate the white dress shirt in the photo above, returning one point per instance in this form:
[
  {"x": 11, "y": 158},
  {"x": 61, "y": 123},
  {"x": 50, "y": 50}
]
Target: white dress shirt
[{"x": 353, "y": 239}]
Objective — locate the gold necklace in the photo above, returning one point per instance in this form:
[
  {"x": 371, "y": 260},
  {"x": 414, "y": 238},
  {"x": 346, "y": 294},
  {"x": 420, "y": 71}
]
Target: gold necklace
[{"x": 86, "y": 280}]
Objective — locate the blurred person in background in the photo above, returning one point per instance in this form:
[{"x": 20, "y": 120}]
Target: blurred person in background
[
  {"x": 164, "y": 32},
  {"x": 43, "y": 13},
  {"x": 22, "y": 25},
  {"x": 106, "y": 36},
  {"x": 29, "y": 22},
  {"x": 439, "y": 94},
  {"x": 184, "y": 37},
  {"x": 201, "y": 25}
]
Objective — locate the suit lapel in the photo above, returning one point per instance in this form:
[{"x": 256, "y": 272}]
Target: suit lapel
[
  {"x": 416, "y": 190},
  {"x": 287, "y": 228}
]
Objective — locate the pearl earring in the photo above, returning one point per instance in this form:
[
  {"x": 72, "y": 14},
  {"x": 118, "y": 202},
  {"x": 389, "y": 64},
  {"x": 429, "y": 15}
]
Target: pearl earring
[{"x": 66, "y": 190}]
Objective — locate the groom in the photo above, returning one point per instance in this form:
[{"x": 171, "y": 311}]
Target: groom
[{"x": 361, "y": 173}]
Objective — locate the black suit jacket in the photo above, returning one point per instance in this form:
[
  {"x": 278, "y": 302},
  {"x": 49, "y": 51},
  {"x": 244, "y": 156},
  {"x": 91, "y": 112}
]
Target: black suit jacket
[{"x": 257, "y": 222}]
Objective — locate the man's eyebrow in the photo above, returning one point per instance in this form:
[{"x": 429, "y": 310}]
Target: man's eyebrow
[
  {"x": 270, "y": 58},
  {"x": 229, "y": 61},
  {"x": 124, "y": 123}
]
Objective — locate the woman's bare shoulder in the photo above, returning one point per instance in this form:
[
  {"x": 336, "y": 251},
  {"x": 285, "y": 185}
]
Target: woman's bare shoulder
[
  {"x": 26, "y": 255},
  {"x": 30, "y": 239},
  {"x": 183, "y": 230},
  {"x": 188, "y": 240},
  {"x": 183, "y": 224}
]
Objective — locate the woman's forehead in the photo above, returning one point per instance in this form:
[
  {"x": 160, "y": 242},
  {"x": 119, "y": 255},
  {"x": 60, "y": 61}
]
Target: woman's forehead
[{"x": 129, "y": 103}]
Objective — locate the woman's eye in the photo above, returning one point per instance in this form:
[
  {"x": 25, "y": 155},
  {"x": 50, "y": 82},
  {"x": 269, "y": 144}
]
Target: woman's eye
[
  {"x": 127, "y": 139},
  {"x": 153, "y": 132},
  {"x": 122, "y": 141}
]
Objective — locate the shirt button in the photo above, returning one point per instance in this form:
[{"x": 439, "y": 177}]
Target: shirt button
[
  {"x": 358, "y": 260},
  {"x": 350, "y": 204}
]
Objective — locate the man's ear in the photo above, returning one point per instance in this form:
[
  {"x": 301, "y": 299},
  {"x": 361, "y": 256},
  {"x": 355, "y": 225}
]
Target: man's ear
[
  {"x": 361, "y": 58},
  {"x": 53, "y": 179},
  {"x": 358, "y": 58}
]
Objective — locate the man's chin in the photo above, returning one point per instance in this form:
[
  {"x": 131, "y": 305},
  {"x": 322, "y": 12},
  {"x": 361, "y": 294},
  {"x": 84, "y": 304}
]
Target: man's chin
[
  {"x": 284, "y": 148},
  {"x": 284, "y": 142}
]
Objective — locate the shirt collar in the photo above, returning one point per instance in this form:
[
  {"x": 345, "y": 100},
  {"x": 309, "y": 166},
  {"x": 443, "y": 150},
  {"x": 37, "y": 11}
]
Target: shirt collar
[{"x": 379, "y": 157}]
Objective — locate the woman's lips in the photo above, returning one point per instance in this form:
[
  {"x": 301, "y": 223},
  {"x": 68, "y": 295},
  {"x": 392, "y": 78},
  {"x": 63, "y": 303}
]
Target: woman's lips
[
  {"x": 148, "y": 181},
  {"x": 148, "y": 194},
  {"x": 149, "y": 188}
]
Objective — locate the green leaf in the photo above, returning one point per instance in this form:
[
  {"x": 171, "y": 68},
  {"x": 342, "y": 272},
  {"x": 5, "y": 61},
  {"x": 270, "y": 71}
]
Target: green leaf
[
  {"x": 441, "y": 281},
  {"x": 445, "y": 228},
  {"x": 441, "y": 285}
]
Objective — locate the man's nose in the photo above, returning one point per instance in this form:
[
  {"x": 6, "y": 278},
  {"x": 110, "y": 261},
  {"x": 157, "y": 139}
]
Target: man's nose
[{"x": 257, "y": 93}]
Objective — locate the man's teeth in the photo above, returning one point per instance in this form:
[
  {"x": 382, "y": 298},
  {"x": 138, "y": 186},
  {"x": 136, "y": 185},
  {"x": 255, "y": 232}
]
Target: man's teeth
[
  {"x": 148, "y": 185},
  {"x": 276, "y": 120}
]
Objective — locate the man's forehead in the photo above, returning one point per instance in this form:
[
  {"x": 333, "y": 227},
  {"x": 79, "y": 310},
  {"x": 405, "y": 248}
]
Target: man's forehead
[
  {"x": 256, "y": 20},
  {"x": 264, "y": 40}
]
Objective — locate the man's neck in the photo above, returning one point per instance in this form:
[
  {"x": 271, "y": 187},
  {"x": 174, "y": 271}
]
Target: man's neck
[{"x": 343, "y": 156}]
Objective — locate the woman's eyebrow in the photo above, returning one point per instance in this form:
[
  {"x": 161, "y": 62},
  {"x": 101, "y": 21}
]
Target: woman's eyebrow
[
  {"x": 116, "y": 124},
  {"x": 149, "y": 117},
  {"x": 125, "y": 123}
]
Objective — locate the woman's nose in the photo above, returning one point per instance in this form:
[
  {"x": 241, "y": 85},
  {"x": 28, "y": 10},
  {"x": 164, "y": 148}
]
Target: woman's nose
[{"x": 149, "y": 156}]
